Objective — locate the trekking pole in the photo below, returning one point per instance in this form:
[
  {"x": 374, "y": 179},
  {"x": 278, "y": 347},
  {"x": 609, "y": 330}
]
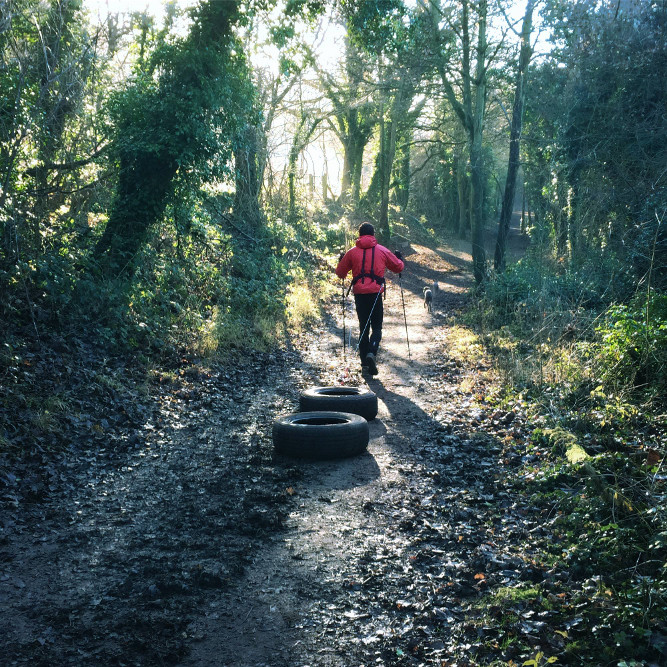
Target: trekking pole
[
  {"x": 343, "y": 302},
  {"x": 405, "y": 319}
]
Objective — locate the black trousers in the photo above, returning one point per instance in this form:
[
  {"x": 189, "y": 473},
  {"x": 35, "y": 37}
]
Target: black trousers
[{"x": 369, "y": 306}]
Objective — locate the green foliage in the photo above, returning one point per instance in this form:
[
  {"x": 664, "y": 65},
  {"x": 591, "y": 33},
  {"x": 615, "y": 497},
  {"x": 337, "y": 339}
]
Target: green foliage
[
  {"x": 173, "y": 126},
  {"x": 633, "y": 345},
  {"x": 375, "y": 26},
  {"x": 606, "y": 536},
  {"x": 255, "y": 292},
  {"x": 535, "y": 292},
  {"x": 595, "y": 132},
  {"x": 589, "y": 361},
  {"x": 562, "y": 444},
  {"x": 337, "y": 233},
  {"x": 44, "y": 119},
  {"x": 197, "y": 288}
]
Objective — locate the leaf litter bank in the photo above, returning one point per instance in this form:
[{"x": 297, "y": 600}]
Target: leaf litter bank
[{"x": 188, "y": 542}]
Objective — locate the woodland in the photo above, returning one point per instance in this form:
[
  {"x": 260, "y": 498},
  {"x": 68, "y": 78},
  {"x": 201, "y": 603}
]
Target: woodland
[{"x": 175, "y": 190}]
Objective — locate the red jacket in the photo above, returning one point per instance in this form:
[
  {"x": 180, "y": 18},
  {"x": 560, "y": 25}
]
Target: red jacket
[{"x": 381, "y": 259}]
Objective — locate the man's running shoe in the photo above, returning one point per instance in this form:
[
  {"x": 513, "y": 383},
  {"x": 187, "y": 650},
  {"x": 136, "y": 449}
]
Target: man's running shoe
[{"x": 372, "y": 366}]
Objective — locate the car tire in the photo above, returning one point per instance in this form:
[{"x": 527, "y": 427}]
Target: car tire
[
  {"x": 355, "y": 400},
  {"x": 320, "y": 435}
]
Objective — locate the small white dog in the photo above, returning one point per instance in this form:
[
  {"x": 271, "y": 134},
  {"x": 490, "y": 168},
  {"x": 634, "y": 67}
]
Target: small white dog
[{"x": 428, "y": 298}]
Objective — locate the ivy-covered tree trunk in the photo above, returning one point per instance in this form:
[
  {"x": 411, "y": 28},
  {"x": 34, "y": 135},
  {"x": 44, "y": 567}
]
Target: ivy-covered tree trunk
[
  {"x": 515, "y": 139},
  {"x": 163, "y": 127},
  {"x": 140, "y": 201}
]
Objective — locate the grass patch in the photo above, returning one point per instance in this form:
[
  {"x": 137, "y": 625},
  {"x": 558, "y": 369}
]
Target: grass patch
[
  {"x": 464, "y": 345},
  {"x": 515, "y": 594},
  {"x": 307, "y": 293}
]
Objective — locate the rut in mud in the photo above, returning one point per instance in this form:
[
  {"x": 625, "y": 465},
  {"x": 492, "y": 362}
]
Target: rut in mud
[{"x": 194, "y": 544}]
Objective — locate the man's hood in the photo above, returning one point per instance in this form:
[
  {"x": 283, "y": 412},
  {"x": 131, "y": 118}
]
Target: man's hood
[{"x": 365, "y": 242}]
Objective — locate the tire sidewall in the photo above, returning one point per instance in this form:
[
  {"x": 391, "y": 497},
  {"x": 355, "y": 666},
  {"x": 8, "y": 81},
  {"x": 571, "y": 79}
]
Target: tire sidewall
[
  {"x": 348, "y": 437},
  {"x": 363, "y": 402}
]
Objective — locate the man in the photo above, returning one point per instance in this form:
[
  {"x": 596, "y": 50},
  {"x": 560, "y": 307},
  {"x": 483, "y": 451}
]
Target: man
[{"x": 368, "y": 261}]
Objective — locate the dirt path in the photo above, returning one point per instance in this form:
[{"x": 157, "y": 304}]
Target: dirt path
[
  {"x": 300, "y": 596},
  {"x": 377, "y": 552},
  {"x": 197, "y": 546}
]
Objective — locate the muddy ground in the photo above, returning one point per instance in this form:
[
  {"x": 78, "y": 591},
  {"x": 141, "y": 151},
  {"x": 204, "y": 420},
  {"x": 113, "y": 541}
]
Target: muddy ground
[{"x": 184, "y": 540}]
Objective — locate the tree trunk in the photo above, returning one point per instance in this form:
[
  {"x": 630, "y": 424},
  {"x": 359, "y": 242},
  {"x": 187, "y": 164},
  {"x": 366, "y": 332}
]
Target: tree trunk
[
  {"x": 354, "y": 118},
  {"x": 299, "y": 142},
  {"x": 354, "y": 135},
  {"x": 390, "y": 154},
  {"x": 271, "y": 97},
  {"x": 373, "y": 193},
  {"x": 450, "y": 212},
  {"x": 346, "y": 178},
  {"x": 291, "y": 184},
  {"x": 397, "y": 112},
  {"x": 476, "y": 155},
  {"x": 356, "y": 165},
  {"x": 53, "y": 107},
  {"x": 246, "y": 197},
  {"x": 470, "y": 110},
  {"x": 572, "y": 232},
  {"x": 524, "y": 225},
  {"x": 464, "y": 199},
  {"x": 515, "y": 139},
  {"x": 383, "y": 221},
  {"x": 41, "y": 203},
  {"x": 403, "y": 179}
]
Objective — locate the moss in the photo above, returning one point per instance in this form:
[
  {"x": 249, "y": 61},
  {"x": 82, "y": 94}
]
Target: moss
[{"x": 564, "y": 443}]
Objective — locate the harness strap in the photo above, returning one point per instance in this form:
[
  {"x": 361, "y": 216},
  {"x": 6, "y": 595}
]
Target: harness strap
[
  {"x": 368, "y": 274},
  {"x": 362, "y": 275}
]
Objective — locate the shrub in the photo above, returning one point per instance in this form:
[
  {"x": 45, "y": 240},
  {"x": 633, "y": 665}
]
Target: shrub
[{"x": 633, "y": 346}]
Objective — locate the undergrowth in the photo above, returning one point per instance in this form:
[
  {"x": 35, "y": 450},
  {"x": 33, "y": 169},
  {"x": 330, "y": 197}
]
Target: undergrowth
[
  {"x": 205, "y": 290},
  {"x": 590, "y": 367}
]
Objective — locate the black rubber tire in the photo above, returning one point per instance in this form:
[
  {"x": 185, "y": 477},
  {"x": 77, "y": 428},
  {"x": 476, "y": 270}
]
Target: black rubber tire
[
  {"x": 356, "y": 400},
  {"x": 320, "y": 435}
]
